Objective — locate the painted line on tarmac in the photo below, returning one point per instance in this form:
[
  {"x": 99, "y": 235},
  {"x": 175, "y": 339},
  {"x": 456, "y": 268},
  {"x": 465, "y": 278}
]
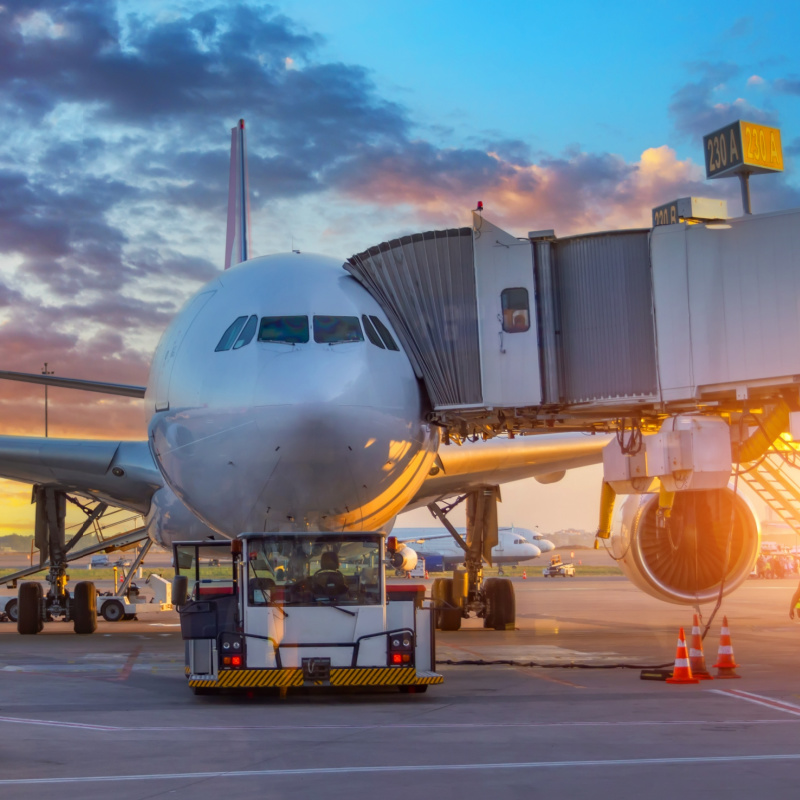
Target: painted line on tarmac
[
  {"x": 276, "y": 773},
  {"x": 398, "y": 725},
  {"x": 768, "y": 702},
  {"x": 56, "y": 724}
]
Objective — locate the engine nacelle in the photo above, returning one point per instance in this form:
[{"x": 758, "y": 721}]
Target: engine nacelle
[
  {"x": 683, "y": 562},
  {"x": 403, "y": 559}
]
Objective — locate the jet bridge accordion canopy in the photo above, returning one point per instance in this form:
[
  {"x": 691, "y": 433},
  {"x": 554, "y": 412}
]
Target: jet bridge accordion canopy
[{"x": 426, "y": 285}]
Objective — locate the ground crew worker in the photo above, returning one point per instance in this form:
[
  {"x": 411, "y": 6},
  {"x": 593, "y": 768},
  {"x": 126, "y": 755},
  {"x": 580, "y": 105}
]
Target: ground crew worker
[{"x": 794, "y": 606}]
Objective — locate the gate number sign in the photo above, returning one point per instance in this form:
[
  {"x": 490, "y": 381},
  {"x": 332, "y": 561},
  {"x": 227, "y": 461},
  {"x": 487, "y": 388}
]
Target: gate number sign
[{"x": 742, "y": 147}]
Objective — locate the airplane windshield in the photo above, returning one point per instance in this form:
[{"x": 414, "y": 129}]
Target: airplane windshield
[
  {"x": 329, "y": 570},
  {"x": 289, "y": 330},
  {"x": 335, "y": 330}
]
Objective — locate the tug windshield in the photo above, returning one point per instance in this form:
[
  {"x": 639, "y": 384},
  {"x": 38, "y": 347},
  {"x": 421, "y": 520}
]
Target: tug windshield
[{"x": 330, "y": 569}]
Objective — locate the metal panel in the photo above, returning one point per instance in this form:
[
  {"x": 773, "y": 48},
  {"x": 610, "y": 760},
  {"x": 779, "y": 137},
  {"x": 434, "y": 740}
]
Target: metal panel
[
  {"x": 426, "y": 285},
  {"x": 607, "y": 332},
  {"x": 726, "y": 304}
]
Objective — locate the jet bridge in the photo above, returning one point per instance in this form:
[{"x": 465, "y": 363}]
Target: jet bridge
[{"x": 516, "y": 334}]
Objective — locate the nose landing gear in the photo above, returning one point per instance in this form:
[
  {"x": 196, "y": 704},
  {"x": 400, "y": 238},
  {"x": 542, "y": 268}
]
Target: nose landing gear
[{"x": 467, "y": 592}]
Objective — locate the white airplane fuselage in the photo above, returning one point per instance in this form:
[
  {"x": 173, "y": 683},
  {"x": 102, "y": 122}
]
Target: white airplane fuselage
[
  {"x": 286, "y": 436},
  {"x": 511, "y": 548}
]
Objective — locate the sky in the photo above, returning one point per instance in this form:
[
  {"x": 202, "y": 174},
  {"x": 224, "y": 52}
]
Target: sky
[{"x": 365, "y": 121}]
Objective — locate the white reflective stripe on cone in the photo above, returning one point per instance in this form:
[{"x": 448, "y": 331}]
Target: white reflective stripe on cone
[
  {"x": 681, "y": 662},
  {"x": 725, "y": 650}
]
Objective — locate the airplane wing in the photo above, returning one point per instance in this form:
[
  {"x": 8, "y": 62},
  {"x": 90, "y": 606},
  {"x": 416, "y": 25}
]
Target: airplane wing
[
  {"x": 74, "y": 383},
  {"x": 475, "y": 464},
  {"x": 122, "y": 474}
]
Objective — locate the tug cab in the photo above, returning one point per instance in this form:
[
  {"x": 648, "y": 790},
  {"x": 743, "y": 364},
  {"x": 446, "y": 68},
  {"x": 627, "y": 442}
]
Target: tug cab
[{"x": 288, "y": 610}]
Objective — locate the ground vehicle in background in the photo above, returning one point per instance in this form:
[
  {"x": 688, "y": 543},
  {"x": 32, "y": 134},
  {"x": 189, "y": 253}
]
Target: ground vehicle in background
[
  {"x": 558, "y": 569},
  {"x": 289, "y": 610}
]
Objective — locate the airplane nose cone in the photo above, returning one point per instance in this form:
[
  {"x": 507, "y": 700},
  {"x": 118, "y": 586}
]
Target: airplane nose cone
[
  {"x": 544, "y": 545},
  {"x": 534, "y": 551}
]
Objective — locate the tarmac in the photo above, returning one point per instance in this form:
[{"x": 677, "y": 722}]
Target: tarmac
[{"x": 110, "y": 715}]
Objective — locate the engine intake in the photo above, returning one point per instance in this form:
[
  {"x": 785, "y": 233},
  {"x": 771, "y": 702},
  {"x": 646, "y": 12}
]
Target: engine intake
[{"x": 683, "y": 562}]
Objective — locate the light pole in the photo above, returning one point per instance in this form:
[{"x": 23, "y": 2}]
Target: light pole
[{"x": 45, "y": 372}]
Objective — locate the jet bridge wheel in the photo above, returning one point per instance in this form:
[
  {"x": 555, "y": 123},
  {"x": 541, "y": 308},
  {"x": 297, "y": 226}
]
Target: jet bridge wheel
[
  {"x": 84, "y": 608},
  {"x": 29, "y": 615},
  {"x": 501, "y": 611},
  {"x": 448, "y": 615}
]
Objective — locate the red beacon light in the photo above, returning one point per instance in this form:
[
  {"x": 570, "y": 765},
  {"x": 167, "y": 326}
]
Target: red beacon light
[{"x": 479, "y": 209}]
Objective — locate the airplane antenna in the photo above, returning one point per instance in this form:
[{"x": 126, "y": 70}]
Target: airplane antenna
[{"x": 237, "y": 241}]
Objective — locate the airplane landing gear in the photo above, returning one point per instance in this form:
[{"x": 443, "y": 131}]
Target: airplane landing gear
[
  {"x": 34, "y": 608},
  {"x": 467, "y": 592}
]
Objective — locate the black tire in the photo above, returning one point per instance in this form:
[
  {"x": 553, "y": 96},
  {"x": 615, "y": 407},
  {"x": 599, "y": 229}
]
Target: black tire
[
  {"x": 490, "y": 599},
  {"x": 113, "y": 611},
  {"x": 501, "y": 609},
  {"x": 448, "y": 615},
  {"x": 12, "y": 607},
  {"x": 84, "y": 608},
  {"x": 29, "y": 614},
  {"x": 506, "y": 606}
]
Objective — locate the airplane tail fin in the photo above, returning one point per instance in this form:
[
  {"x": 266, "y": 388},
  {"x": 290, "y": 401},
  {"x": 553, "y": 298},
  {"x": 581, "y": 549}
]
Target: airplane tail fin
[{"x": 237, "y": 242}]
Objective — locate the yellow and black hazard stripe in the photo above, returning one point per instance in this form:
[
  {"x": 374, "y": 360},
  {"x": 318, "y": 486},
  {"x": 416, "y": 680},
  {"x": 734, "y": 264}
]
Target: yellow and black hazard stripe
[{"x": 359, "y": 676}]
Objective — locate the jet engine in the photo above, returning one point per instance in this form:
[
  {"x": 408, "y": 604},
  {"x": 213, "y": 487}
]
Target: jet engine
[
  {"x": 404, "y": 559},
  {"x": 682, "y": 560}
]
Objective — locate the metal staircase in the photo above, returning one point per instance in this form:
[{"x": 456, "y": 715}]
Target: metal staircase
[
  {"x": 112, "y": 530},
  {"x": 776, "y": 481}
]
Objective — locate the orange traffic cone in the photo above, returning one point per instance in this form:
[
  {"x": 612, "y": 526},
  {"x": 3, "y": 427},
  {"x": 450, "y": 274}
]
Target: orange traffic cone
[
  {"x": 524, "y": 574},
  {"x": 426, "y": 574},
  {"x": 725, "y": 664},
  {"x": 682, "y": 672},
  {"x": 697, "y": 660}
]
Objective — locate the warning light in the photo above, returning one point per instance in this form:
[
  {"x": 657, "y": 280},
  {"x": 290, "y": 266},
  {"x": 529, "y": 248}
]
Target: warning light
[
  {"x": 479, "y": 209},
  {"x": 397, "y": 658},
  {"x": 241, "y": 124},
  {"x": 236, "y": 661}
]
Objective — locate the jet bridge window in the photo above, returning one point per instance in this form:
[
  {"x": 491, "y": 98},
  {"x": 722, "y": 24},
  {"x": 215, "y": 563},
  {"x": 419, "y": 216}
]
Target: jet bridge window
[
  {"x": 337, "y": 330},
  {"x": 385, "y": 335},
  {"x": 289, "y": 330},
  {"x": 516, "y": 311},
  {"x": 229, "y": 337}
]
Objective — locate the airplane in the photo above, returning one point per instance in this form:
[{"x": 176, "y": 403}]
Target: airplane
[
  {"x": 279, "y": 398},
  {"x": 515, "y": 545},
  {"x": 510, "y": 548}
]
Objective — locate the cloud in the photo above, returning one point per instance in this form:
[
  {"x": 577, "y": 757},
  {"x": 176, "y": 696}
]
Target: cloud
[
  {"x": 695, "y": 111},
  {"x": 755, "y": 80},
  {"x": 787, "y": 86}
]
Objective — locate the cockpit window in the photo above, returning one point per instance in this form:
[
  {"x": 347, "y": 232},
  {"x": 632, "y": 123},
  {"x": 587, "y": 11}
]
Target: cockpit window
[
  {"x": 289, "y": 330},
  {"x": 385, "y": 335},
  {"x": 335, "y": 330},
  {"x": 372, "y": 334},
  {"x": 246, "y": 336},
  {"x": 229, "y": 337}
]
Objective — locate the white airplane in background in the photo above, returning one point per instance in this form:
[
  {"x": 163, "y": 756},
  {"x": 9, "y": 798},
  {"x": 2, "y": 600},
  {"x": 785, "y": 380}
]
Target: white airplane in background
[
  {"x": 281, "y": 399},
  {"x": 514, "y": 546}
]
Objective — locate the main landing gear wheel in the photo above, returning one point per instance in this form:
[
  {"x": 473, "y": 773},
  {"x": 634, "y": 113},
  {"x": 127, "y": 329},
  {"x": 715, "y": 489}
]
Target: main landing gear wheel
[
  {"x": 84, "y": 608},
  {"x": 501, "y": 610},
  {"x": 29, "y": 615},
  {"x": 11, "y": 610},
  {"x": 448, "y": 615},
  {"x": 113, "y": 611}
]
